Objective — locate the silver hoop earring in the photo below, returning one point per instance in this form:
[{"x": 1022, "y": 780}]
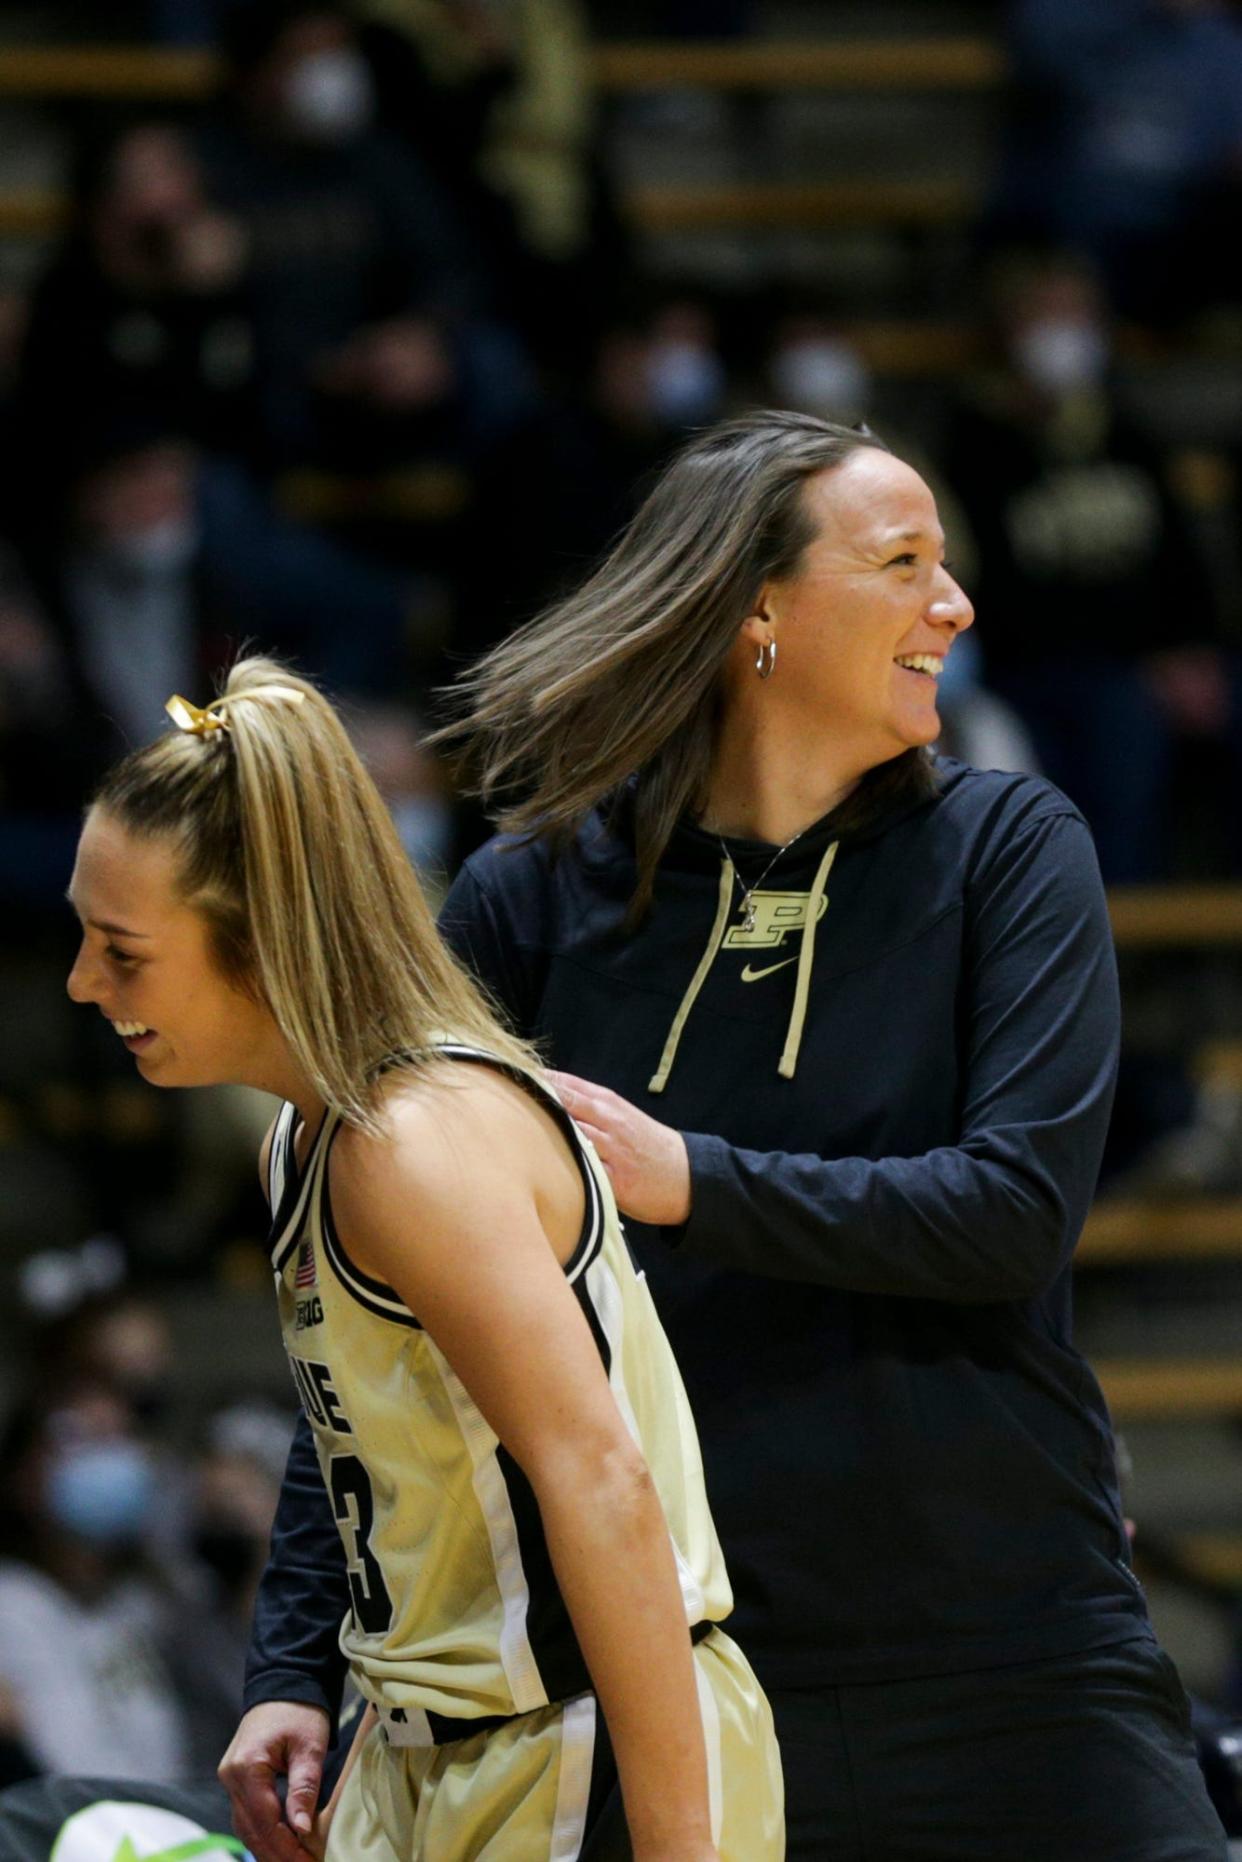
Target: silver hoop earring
[{"x": 765, "y": 658}]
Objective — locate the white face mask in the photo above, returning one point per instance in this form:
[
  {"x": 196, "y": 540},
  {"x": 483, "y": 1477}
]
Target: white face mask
[
  {"x": 685, "y": 382},
  {"x": 101, "y": 1491},
  {"x": 817, "y": 376},
  {"x": 1060, "y": 354},
  {"x": 329, "y": 96},
  {"x": 162, "y": 549}
]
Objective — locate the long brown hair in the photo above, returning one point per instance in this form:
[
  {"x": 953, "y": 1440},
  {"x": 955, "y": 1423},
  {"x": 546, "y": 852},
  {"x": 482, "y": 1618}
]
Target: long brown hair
[
  {"x": 621, "y": 678},
  {"x": 287, "y": 851}
]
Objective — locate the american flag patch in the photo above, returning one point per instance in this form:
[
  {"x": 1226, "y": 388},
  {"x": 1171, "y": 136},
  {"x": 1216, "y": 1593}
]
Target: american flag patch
[{"x": 305, "y": 1275}]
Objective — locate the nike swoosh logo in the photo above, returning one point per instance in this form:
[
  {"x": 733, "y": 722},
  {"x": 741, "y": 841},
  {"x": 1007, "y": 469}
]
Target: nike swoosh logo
[{"x": 752, "y": 976}]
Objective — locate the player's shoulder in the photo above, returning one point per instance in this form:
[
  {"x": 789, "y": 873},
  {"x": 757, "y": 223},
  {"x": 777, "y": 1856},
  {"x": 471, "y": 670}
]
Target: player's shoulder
[{"x": 445, "y": 1131}]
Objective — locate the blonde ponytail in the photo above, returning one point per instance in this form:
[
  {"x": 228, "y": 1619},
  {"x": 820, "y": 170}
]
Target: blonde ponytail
[{"x": 291, "y": 857}]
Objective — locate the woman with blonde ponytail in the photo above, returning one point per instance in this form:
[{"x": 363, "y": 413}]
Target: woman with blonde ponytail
[{"x": 534, "y": 1580}]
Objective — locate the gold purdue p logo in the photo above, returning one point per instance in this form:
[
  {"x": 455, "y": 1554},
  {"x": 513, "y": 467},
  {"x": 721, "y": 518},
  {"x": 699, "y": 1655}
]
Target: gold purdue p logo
[{"x": 776, "y": 915}]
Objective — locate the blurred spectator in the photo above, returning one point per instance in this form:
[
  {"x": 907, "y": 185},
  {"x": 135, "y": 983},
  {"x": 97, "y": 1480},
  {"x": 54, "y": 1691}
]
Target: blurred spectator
[
  {"x": 651, "y": 379},
  {"x": 109, "y": 1337},
  {"x": 98, "y": 1333},
  {"x": 498, "y": 101},
  {"x": 233, "y": 1500},
  {"x": 684, "y": 376},
  {"x": 164, "y": 560},
  {"x": 370, "y": 310},
  {"x": 143, "y": 307},
  {"x": 16, "y": 1760},
  {"x": 979, "y": 728},
  {"x": 415, "y": 786},
  {"x": 44, "y": 761},
  {"x": 128, "y": 585},
  {"x": 1127, "y": 143},
  {"x": 79, "y": 1616},
  {"x": 1099, "y": 627},
  {"x": 813, "y": 368}
]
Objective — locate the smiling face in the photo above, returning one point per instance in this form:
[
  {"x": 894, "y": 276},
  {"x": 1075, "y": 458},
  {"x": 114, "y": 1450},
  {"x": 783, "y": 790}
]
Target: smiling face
[
  {"x": 863, "y": 627},
  {"x": 146, "y": 963}
]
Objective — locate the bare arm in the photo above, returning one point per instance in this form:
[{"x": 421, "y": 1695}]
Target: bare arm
[
  {"x": 317, "y": 1841},
  {"x": 498, "y": 1208}
]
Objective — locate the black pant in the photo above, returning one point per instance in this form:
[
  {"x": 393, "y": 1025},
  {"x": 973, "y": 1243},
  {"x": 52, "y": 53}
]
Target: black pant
[{"x": 1081, "y": 1758}]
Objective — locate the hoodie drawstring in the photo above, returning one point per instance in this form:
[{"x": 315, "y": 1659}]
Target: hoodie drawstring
[
  {"x": 723, "y": 907},
  {"x": 806, "y": 957},
  {"x": 802, "y": 990}
]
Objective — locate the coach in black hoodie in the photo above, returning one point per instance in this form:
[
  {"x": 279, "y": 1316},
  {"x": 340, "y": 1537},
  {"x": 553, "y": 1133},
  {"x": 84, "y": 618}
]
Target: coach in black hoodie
[{"x": 842, "y": 1023}]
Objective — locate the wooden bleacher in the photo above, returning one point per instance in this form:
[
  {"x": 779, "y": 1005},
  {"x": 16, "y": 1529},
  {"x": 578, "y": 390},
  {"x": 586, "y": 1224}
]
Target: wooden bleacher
[
  {"x": 151, "y": 74},
  {"x": 1133, "y": 1231},
  {"x": 1151, "y": 1230},
  {"x": 670, "y": 207},
  {"x": 1214, "y": 1557},
  {"x": 1172, "y": 917},
  {"x": 121, "y": 74},
  {"x": 159, "y": 75},
  {"x": 30, "y": 213},
  {"x": 936, "y": 64},
  {"x": 1162, "y": 1389}
]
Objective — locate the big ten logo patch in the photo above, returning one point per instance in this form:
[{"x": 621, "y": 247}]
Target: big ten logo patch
[
  {"x": 775, "y": 915},
  {"x": 112, "y": 1831}
]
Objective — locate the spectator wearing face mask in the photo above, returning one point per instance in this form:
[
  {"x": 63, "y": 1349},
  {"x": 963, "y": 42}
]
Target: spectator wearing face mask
[
  {"x": 812, "y": 367},
  {"x": 79, "y": 1616},
  {"x": 372, "y": 311},
  {"x": 162, "y": 556},
  {"x": 42, "y": 763},
  {"x": 1102, "y": 631},
  {"x": 499, "y": 102},
  {"x": 234, "y": 1483},
  {"x": 653, "y": 377}
]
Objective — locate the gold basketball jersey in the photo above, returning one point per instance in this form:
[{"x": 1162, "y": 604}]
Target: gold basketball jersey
[{"x": 455, "y": 1607}]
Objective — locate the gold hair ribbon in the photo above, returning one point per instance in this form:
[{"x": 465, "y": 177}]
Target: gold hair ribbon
[
  {"x": 199, "y": 719},
  {"x": 202, "y": 719}
]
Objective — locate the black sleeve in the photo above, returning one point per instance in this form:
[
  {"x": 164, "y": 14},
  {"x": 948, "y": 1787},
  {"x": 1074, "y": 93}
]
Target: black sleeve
[
  {"x": 303, "y": 1595},
  {"x": 996, "y": 1215}
]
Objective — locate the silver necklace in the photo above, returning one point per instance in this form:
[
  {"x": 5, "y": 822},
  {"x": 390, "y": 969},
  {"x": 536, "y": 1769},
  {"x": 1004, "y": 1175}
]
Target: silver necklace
[{"x": 747, "y": 906}]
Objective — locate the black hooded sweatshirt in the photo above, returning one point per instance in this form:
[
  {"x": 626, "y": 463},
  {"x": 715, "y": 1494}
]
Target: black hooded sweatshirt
[{"x": 894, "y": 1088}]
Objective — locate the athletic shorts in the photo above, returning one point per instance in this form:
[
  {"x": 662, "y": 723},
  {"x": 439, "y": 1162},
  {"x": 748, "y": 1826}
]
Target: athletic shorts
[{"x": 544, "y": 1784}]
